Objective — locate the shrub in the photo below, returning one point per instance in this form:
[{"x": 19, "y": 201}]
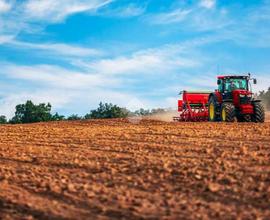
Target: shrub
[
  {"x": 107, "y": 111},
  {"x": 57, "y": 117}
]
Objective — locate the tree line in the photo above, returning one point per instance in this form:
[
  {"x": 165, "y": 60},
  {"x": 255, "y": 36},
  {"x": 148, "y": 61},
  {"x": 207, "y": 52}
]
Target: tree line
[{"x": 31, "y": 113}]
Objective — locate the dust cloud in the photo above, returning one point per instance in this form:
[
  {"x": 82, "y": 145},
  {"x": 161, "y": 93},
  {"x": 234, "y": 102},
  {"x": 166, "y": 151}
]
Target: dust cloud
[{"x": 166, "y": 116}]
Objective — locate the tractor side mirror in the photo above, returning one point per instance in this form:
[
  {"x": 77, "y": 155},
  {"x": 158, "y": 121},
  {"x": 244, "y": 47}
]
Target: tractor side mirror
[
  {"x": 254, "y": 81},
  {"x": 219, "y": 82}
]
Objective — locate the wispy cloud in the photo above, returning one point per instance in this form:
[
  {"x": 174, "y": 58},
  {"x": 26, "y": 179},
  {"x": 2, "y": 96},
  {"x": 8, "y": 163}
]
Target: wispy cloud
[
  {"x": 26, "y": 16},
  {"x": 6, "y": 39},
  {"x": 130, "y": 10},
  {"x": 56, "y": 11},
  {"x": 175, "y": 16},
  {"x": 55, "y": 76},
  {"x": 195, "y": 18}
]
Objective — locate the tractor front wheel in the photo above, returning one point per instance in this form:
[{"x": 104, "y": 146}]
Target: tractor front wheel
[
  {"x": 259, "y": 114},
  {"x": 212, "y": 110},
  {"x": 227, "y": 112}
]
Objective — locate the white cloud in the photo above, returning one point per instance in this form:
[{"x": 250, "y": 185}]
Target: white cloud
[
  {"x": 54, "y": 76},
  {"x": 152, "y": 61},
  {"x": 208, "y": 3},
  {"x": 5, "y": 6},
  {"x": 57, "y": 48},
  {"x": 56, "y": 11},
  {"x": 66, "y": 90},
  {"x": 58, "y": 99}
]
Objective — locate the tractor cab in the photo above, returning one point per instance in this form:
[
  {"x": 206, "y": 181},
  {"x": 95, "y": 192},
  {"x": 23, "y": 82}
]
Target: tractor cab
[{"x": 231, "y": 87}]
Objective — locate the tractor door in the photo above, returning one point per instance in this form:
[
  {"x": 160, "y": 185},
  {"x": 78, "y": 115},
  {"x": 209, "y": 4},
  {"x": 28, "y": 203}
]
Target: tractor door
[{"x": 227, "y": 89}]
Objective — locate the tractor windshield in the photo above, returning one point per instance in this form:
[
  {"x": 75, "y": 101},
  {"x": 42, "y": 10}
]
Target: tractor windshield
[{"x": 234, "y": 84}]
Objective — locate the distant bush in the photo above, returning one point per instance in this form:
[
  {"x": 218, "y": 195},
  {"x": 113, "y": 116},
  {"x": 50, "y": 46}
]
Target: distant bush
[
  {"x": 142, "y": 112},
  {"x": 3, "y": 119},
  {"x": 147, "y": 112},
  {"x": 74, "y": 117},
  {"x": 107, "y": 110},
  {"x": 158, "y": 111},
  {"x": 265, "y": 97}
]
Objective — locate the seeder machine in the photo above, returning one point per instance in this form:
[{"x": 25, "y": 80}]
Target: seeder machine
[{"x": 193, "y": 106}]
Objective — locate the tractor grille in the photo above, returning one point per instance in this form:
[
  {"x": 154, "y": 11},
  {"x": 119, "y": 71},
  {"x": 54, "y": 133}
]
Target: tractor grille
[{"x": 245, "y": 100}]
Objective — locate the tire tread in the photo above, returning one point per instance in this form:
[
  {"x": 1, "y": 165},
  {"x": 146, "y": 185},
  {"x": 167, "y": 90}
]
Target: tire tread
[
  {"x": 259, "y": 113},
  {"x": 230, "y": 111}
]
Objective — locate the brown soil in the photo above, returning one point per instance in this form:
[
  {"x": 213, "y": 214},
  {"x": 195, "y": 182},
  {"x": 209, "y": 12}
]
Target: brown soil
[
  {"x": 114, "y": 169},
  {"x": 267, "y": 116}
]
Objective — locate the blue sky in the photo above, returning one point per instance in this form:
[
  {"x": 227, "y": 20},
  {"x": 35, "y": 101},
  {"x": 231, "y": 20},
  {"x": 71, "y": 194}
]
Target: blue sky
[{"x": 134, "y": 53}]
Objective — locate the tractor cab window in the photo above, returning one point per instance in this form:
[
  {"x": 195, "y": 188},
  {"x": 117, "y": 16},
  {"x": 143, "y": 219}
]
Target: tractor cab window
[{"x": 234, "y": 84}]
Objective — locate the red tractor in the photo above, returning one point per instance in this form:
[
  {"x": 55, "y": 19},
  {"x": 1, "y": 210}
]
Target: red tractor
[{"x": 234, "y": 100}]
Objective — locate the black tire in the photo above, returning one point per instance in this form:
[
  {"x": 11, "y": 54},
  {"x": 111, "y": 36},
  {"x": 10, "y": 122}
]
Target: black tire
[
  {"x": 259, "y": 113},
  {"x": 212, "y": 106},
  {"x": 244, "y": 118},
  {"x": 227, "y": 112}
]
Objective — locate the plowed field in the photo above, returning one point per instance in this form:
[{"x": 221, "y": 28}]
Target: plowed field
[{"x": 118, "y": 170}]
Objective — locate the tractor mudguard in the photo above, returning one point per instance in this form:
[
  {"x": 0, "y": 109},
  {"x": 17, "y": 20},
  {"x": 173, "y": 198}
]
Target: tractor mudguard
[
  {"x": 256, "y": 101},
  {"x": 214, "y": 96}
]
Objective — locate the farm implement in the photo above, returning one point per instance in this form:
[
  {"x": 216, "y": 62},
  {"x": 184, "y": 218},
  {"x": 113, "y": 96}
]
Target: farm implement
[{"x": 233, "y": 100}]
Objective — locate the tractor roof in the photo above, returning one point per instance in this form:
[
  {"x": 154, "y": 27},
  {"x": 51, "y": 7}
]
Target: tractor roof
[
  {"x": 232, "y": 77},
  {"x": 195, "y": 92}
]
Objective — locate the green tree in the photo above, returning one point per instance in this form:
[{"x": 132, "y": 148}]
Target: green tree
[
  {"x": 30, "y": 113},
  {"x": 3, "y": 119},
  {"x": 57, "y": 117},
  {"x": 107, "y": 110}
]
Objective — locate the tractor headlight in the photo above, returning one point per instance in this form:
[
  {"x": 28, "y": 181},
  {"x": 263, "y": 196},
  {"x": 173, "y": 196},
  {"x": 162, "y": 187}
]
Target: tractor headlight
[
  {"x": 249, "y": 95},
  {"x": 242, "y": 96}
]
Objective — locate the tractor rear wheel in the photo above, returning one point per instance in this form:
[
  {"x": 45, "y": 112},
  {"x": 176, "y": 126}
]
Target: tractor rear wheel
[
  {"x": 259, "y": 113},
  {"x": 227, "y": 112},
  {"x": 212, "y": 110}
]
